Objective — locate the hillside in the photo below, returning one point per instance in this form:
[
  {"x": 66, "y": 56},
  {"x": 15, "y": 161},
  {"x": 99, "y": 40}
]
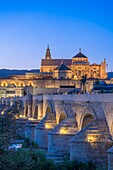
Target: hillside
[{"x": 8, "y": 72}]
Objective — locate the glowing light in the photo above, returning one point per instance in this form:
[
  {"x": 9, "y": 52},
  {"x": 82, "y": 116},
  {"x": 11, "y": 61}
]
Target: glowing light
[
  {"x": 30, "y": 118},
  {"x": 48, "y": 126},
  {"x": 91, "y": 138},
  {"x": 2, "y": 112},
  {"x": 63, "y": 131},
  {"x": 16, "y": 117}
]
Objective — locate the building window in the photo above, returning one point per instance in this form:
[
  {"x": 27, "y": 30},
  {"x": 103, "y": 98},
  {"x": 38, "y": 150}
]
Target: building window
[{"x": 10, "y": 92}]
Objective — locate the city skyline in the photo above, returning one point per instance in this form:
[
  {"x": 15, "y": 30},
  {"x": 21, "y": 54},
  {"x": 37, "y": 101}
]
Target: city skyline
[{"x": 26, "y": 28}]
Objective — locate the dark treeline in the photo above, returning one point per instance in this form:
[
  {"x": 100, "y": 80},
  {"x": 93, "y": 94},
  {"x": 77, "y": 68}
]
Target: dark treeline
[{"x": 8, "y": 72}]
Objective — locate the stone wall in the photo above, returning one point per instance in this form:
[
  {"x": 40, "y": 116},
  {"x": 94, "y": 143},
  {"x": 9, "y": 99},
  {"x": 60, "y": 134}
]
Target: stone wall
[
  {"x": 91, "y": 143},
  {"x": 110, "y": 159},
  {"x": 59, "y": 138},
  {"x": 30, "y": 129},
  {"x": 42, "y": 129}
]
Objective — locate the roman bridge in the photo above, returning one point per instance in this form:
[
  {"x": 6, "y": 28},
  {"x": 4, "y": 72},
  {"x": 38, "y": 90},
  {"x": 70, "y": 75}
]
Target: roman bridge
[
  {"x": 82, "y": 108},
  {"x": 79, "y": 126}
]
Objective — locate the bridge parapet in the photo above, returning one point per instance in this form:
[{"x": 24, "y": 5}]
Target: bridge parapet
[{"x": 81, "y": 97}]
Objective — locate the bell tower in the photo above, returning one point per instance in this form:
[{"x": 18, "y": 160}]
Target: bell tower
[{"x": 48, "y": 53}]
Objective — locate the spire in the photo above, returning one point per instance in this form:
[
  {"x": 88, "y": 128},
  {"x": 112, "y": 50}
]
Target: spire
[
  {"x": 79, "y": 50},
  {"x": 48, "y": 53}
]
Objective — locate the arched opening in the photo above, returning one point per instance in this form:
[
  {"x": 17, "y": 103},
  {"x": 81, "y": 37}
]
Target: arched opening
[
  {"x": 36, "y": 113},
  {"x": 30, "y": 83},
  {"x": 4, "y": 84},
  {"x": 62, "y": 117},
  {"x": 48, "y": 110},
  {"x": 88, "y": 118},
  {"x": 12, "y": 82},
  {"x": 21, "y": 84}
]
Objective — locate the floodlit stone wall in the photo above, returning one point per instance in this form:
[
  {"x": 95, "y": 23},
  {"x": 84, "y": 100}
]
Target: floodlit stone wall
[
  {"x": 59, "y": 138},
  {"x": 91, "y": 143},
  {"x": 78, "y": 125}
]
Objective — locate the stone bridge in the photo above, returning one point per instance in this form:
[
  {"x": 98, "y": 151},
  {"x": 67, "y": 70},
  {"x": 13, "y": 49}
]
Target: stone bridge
[{"x": 78, "y": 126}]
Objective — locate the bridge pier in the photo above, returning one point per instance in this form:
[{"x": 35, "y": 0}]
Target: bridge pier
[
  {"x": 42, "y": 129},
  {"x": 30, "y": 129},
  {"x": 59, "y": 139},
  {"x": 91, "y": 143},
  {"x": 21, "y": 124},
  {"x": 25, "y": 105},
  {"x": 29, "y": 115},
  {"x": 40, "y": 110},
  {"x": 110, "y": 158}
]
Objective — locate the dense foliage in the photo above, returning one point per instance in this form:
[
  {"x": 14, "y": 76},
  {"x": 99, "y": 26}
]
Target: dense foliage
[
  {"x": 8, "y": 127},
  {"x": 30, "y": 159}
]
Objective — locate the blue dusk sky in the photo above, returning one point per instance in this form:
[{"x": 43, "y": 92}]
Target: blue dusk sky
[{"x": 28, "y": 26}]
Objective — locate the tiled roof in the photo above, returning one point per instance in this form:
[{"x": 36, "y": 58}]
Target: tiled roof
[
  {"x": 62, "y": 67},
  {"x": 55, "y": 62}
]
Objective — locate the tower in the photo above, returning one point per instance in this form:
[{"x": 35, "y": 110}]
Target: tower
[{"x": 48, "y": 53}]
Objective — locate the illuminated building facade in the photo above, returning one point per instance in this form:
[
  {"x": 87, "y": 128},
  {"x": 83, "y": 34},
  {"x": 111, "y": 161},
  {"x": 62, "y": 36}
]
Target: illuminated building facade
[
  {"x": 73, "y": 68},
  {"x": 55, "y": 73}
]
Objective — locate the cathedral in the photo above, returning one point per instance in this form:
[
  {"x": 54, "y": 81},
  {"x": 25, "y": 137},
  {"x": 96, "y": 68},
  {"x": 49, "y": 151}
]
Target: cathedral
[
  {"x": 73, "y": 68},
  {"x": 55, "y": 74}
]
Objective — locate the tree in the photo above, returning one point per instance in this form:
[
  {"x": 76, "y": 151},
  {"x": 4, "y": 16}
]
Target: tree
[{"x": 8, "y": 128}]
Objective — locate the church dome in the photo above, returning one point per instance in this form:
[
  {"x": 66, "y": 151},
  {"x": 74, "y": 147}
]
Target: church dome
[
  {"x": 80, "y": 55},
  {"x": 80, "y": 58}
]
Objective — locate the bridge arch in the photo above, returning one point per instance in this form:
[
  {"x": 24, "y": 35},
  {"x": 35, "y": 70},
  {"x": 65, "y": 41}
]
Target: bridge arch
[
  {"x": 62, "y": 117},
  {"x": 87, "y": 117},
  {"x": 48, "y": 108},
  {"x": 60, "y": 112}
]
